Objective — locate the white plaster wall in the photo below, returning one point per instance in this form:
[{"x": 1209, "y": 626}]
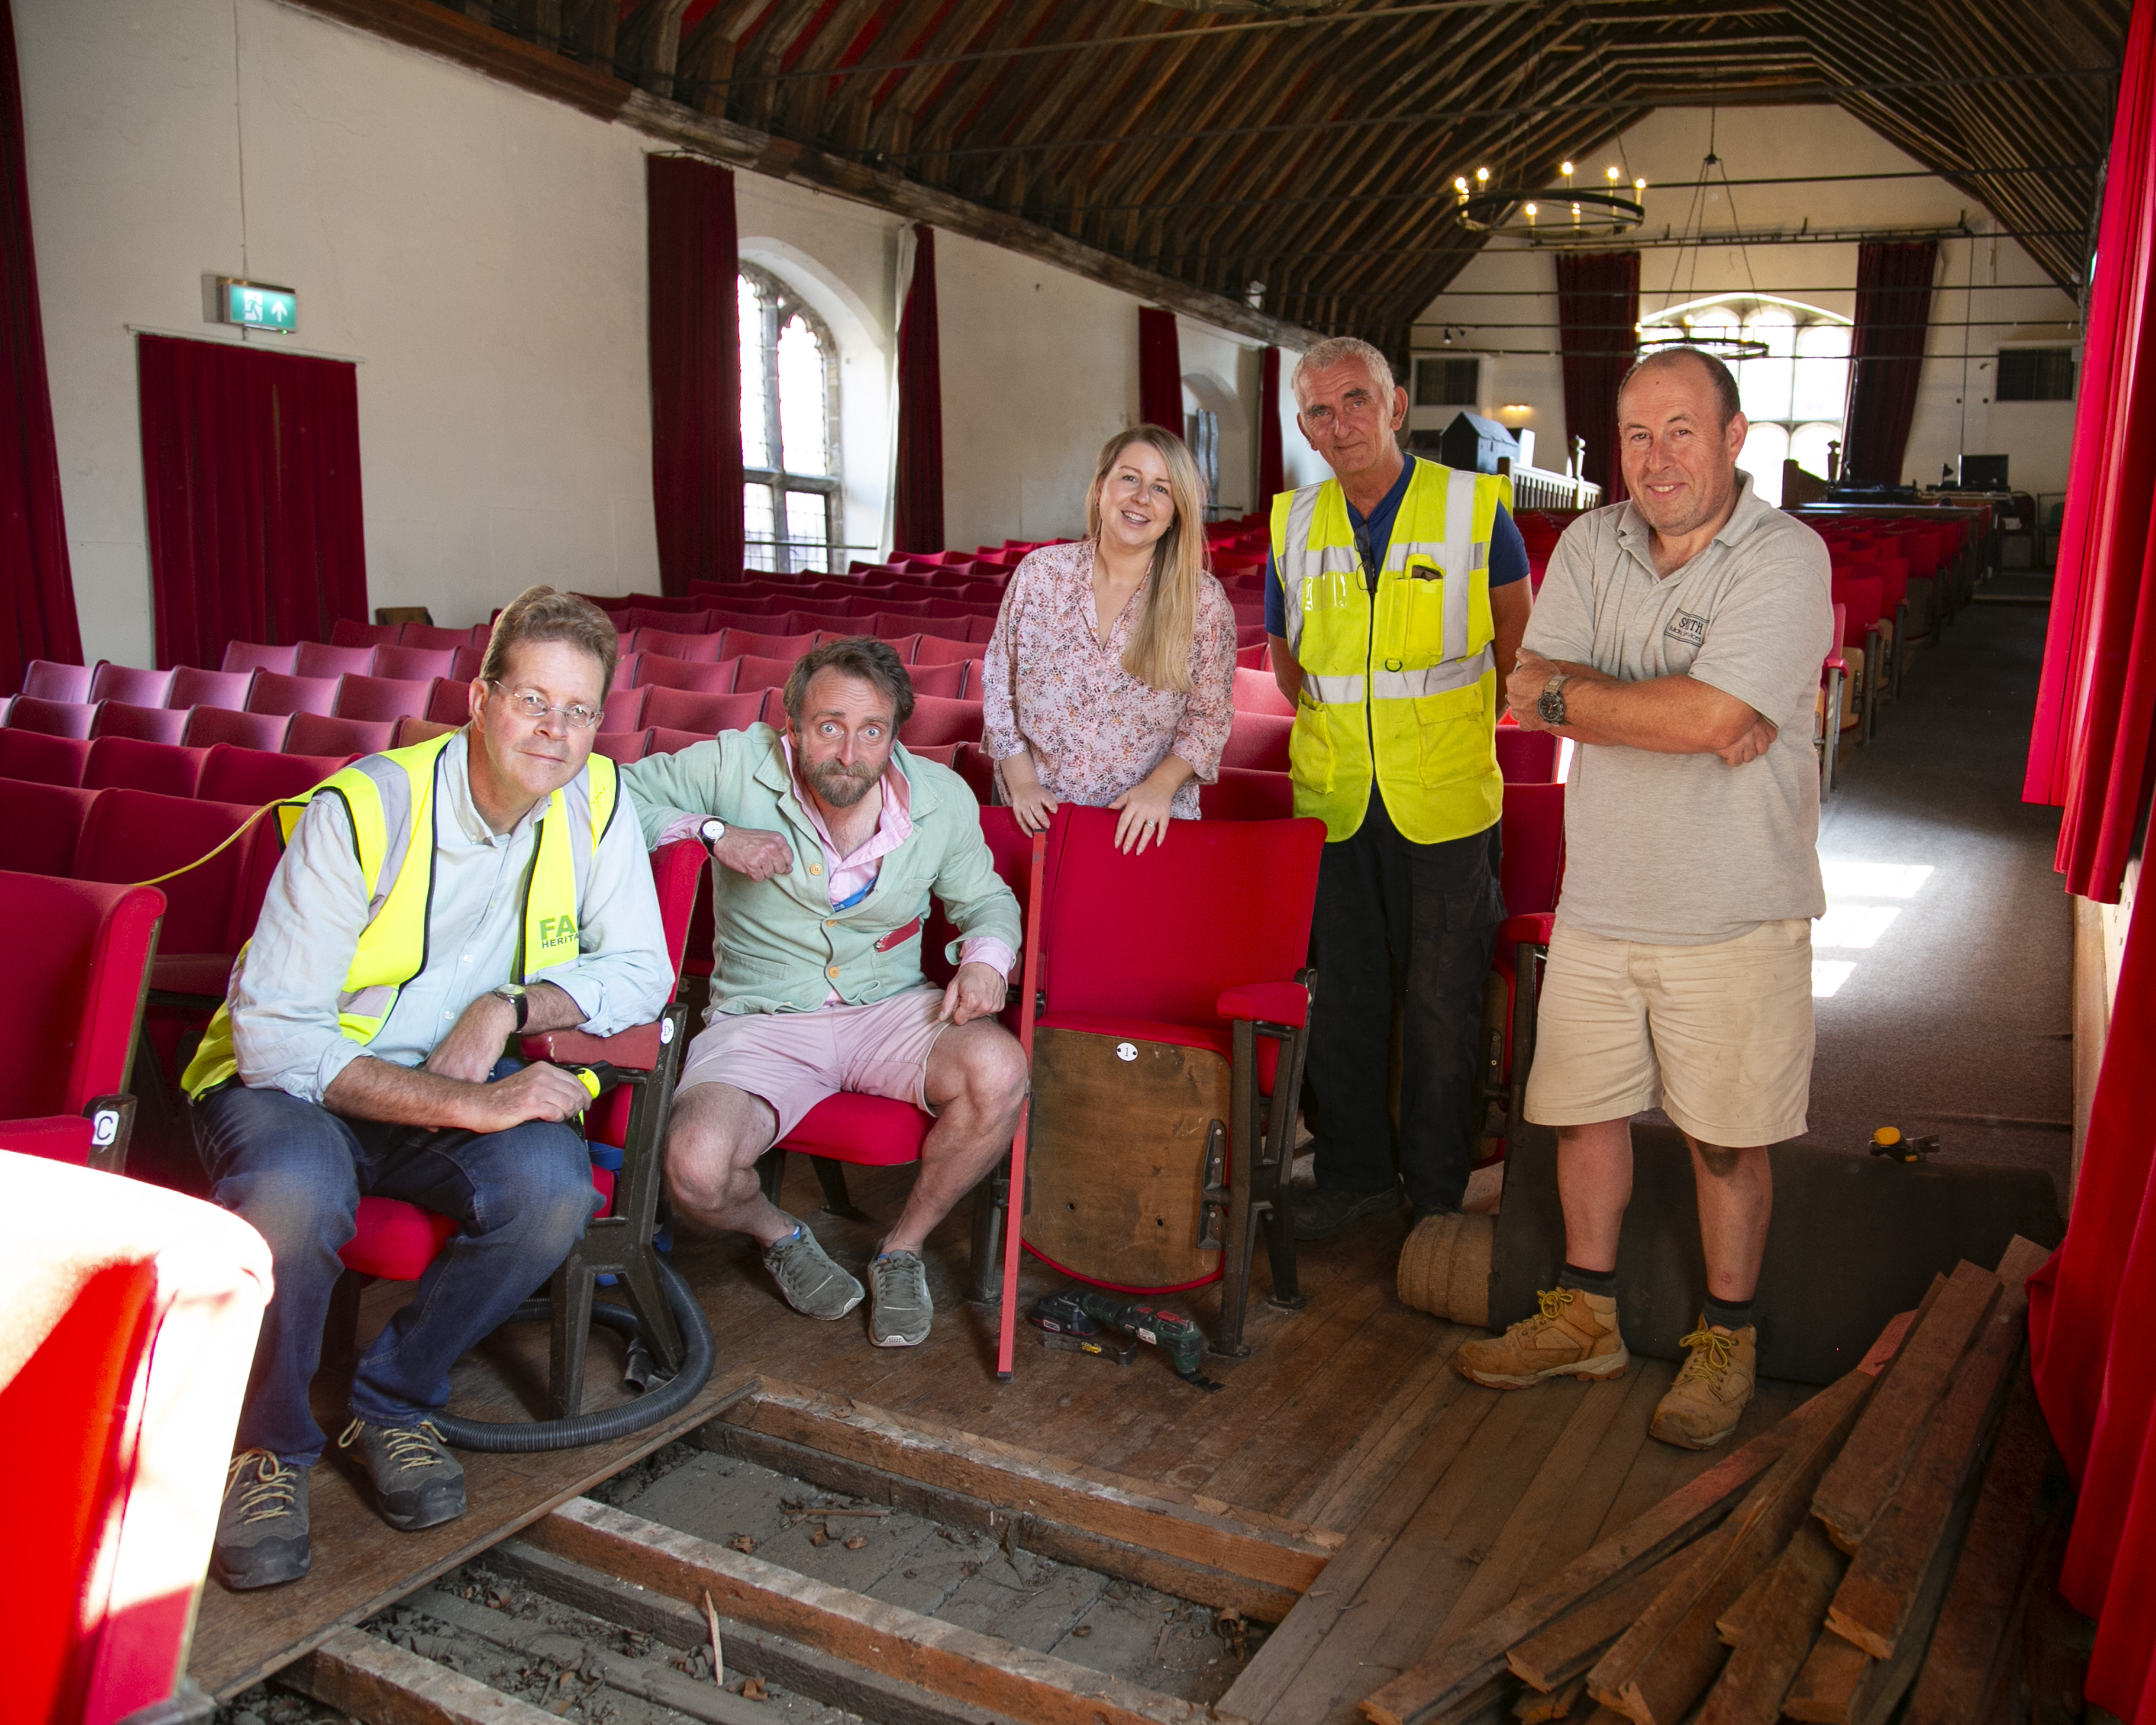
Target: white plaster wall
[
  {"x": 1510, "y": 283},
  {"x": 478, "y": 250}
]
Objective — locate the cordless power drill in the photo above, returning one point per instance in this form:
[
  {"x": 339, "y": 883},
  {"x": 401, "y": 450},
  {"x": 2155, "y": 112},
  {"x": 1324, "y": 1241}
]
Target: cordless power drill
[{"x": 1087, "y": 1312}]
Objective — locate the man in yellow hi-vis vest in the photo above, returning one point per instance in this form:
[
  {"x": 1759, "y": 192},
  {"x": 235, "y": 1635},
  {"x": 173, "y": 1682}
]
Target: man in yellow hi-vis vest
[
  {"x": 431, "y": 902},
  {"x": 1395, "y": 600}
]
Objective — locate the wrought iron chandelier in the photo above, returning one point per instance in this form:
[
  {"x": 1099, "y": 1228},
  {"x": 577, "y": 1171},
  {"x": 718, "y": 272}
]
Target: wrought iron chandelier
[{"x": 1566, "y": 211}]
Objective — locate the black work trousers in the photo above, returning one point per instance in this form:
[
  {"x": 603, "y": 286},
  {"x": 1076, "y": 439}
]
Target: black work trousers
[{"x": 1420, "y": 921}]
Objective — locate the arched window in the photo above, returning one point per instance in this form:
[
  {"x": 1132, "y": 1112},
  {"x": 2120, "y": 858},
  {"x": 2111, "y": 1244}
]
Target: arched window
[
  {"x": 789, "y": 423},
  {"x": 1793, "y": 394}
]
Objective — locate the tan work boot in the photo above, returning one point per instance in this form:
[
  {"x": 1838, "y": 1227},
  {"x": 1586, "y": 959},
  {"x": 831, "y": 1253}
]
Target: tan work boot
[
  {"x": 1574, "y": 1335},
  {"x": 1705, "y": 1403}
]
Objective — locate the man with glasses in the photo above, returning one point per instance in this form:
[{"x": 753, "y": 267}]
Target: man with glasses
[
  {"x": 431, "y": 903},
  {"x": 1395, "y": 599}
]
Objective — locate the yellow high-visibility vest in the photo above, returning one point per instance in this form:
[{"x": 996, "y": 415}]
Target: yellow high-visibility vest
[
  {"x": 1401, "y": 688},
  {"x": 391, "y": 801}
]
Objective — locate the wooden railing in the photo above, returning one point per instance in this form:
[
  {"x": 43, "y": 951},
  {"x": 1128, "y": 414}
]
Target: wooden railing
[{"x": 1534, "y": 489}]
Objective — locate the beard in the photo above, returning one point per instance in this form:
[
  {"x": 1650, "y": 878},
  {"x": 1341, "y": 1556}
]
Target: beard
[{"x": 841, "y": 786}]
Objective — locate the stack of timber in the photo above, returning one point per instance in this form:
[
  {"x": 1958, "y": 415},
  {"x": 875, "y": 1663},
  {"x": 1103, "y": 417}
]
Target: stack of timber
[{"x": 1874, "y": 1546}]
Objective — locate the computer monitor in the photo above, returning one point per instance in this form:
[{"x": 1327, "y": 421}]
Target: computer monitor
[{"x": 1984, "y": 473}]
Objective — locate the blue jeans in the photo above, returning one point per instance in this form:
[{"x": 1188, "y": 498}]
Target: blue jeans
[{"x": 296, "y": 1173}]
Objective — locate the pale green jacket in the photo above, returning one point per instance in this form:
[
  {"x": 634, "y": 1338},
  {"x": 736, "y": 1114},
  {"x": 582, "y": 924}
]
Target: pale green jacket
[{"x": 780, "y": 945}]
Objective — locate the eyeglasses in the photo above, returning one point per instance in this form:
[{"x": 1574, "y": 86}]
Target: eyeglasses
[{"x": 535, "y": 706}]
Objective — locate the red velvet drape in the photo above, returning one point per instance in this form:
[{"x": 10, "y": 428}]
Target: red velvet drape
[
  {"x": 2095, "y": 1373},
  {"x": 250, "y": 483},
  {"x": 917, "y": 513},
  {"x": 2096, "y": 703},
  {"x": 1160, "y": 370},
  {"x": 1598, "y": 307},
  {"x": 37, "y": 593},
  {"x": 1887, "y": 357},
  {"x": 1272, "y": 462},
  {"x": 695, "y": 266}
]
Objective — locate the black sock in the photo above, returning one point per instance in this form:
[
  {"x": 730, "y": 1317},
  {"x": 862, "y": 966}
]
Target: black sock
[
  {"x": 1589, "y": 1281},
  {"x": 1728, "y": 1314}
]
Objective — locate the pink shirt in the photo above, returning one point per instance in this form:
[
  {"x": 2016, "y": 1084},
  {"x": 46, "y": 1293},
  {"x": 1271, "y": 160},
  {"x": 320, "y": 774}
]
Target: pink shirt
[
  {"x": 1094, "y": 731},
  {"x": 851, "y": 876}
]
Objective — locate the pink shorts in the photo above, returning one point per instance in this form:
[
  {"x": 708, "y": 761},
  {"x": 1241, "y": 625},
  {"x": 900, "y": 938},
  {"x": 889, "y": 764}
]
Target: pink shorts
[{"x": 793, "y": 1060}]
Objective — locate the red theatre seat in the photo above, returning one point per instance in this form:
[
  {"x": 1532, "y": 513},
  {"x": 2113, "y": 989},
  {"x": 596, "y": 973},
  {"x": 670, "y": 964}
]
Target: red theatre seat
[
  {"x": 1530, "y": 874},
  {"x": 208, "y": 726},
  {"x": 624, "y": 710},
  {"x": 1245, "y": 793},
  {"x": 1184, "y": 964},
  {"x": 210, "y": 910},
  {"x": 705, "y": 715},
  {"x": 33, "y": 755},
  {"x": 427, "y": 635},
  {"x": 40, "y": 824},
  {"x": 255, "y": 655},
  {"x": 1257, "y": 692},
  {"x": 313, "y": 658},
  {"x": 146, "y": 724},
  {"x": 674, "y": 644},
  {"x": 416, "y": 663},
  {"x": 274, "y": 693},
  {"x": 1260, "y": 741},
  {"x": 254, "y": 777},
  {"x": 324, "y": 734},
  {"x": 936, "y": 721},
  {"x": 55, "y": 718},
  {"x": 49, "y": 680},
  {"x": 700, "y": 676},
  {"x": 129, "y": 684},
  {"x": 350, "y": 631},
  {"x": 75, "y": 982},
  {"x": 757, "y": 671},
  {"x": 194, "y": 687},
  {"x": 127, "y": 763},
  {"x": 1527, "y": 756},
  {"x": 623, "y": 746},
  {"x": 940, "y": 649},
  {"x": 382, "y": 698},
  {"x": 739, "y": 642}
]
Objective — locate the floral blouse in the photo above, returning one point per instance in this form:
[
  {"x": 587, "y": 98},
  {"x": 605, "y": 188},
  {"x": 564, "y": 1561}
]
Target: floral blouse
[{"x": 1093, "y": 730}]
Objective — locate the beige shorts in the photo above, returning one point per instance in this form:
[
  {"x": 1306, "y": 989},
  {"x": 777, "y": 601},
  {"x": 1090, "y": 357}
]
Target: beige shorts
[
  {"x": 793, "y": 1060},
  {"x": 1718, "y": 1036}
]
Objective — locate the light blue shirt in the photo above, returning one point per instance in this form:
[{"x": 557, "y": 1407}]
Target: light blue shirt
[{"x": 284, "y": 995}]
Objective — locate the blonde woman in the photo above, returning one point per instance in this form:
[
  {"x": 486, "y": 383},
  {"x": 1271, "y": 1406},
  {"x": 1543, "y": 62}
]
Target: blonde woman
[{"x": 1110, "y": 679}]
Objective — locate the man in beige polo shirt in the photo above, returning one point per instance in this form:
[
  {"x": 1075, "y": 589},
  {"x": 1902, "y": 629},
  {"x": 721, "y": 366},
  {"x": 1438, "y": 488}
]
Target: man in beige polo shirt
[{"x": 1677, "y": 640}]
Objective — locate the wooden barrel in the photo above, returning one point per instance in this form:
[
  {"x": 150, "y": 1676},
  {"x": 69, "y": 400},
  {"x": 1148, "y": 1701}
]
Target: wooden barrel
[{"x": 1445, "y": 1267}]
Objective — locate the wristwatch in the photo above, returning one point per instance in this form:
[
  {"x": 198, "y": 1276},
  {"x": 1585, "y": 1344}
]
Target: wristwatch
[
  {"x": 1550, "y": 703},
  {"x": 518, "y": 997},
  {"x": 710, "y": 833}
]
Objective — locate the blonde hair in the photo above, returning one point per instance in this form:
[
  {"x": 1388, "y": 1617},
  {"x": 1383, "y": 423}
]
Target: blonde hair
[{"x": 1159, "y": 652}]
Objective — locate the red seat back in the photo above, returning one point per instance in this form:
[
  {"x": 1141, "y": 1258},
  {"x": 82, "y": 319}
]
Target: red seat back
[
  {"x": 700, "y": 676},
  {"x": 623, "y": 746},
  {"x": 208, "y": 726},
  {"x": 935, "y": 720},
  {"x": 1257, "y": 740},
  {"x": 274, "y": 693},
  {"x": 676, "y": 643},
  {"x": 130, "y": 683},
  {"x": 757, "y": 671},
  {"x": 195, "y": 687},
  {"x": 128, "y": 763},
  {"x": 1861, "y": 597},
  {"x": 738, "y": 642},
  {"x": 322, "y": 734},
  {"x": 1527, "y": 756},
  {"x": 1247, "y": 793},
  {"x": 661, "y": 740},
  {"x": 451, "y": 704},
  {"x": 350, "y": 631},
  {"x": 33, "y": 755},
  {"x": 55, "y": 718},
  {"x": 254, "y": 777},
  {"x": 1257, "y": 692},
  {"x": 427, "y": 635},
  {"x": 49, "y": 680},
  {"x": 705, "y": 715},
  {"x": 147, "y": 724},
  {"x": 410, "y": 730},
  {"x": 947, "y": 682},
  {"x": 75, "y": 982},
  {"x": 40, "y": 825},
  {"x": 315, "y": 659},
  {"x": 423, "y": 663},
  {"x": 385, "y": 698},
  {"x": 624, "y": 710},
  {"x": 255, "y": 655},
  {"x": 940, "y": 649},
  {"x": 1532, "y": 837},
  {"x": 465, "y": 663},
  {"x": 132, "y": 835},
  {"x": 1159, "y": 935}
]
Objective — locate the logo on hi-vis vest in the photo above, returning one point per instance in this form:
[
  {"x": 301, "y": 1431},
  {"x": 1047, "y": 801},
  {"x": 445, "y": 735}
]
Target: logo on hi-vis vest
[
  {"x": 1685, "y": 627},
  {"x": 557, "y": 930}
]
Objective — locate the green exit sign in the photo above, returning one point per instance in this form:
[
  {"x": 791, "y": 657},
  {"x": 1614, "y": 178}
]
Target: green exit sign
[{"x": 257, "y": 305}]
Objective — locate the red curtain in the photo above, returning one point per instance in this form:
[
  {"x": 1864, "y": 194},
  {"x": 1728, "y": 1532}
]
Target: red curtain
[
  {"x": 37, "y": 593},
  {"x": 695, "y": 266},
  {"x": 250, "y": 480},
  {"x": 1887, "y": 357},
  {"x": 1272, "y": 464},
  {"x": 2088, "y": 752},
  {"x": 2095, "y": 1374},
  {"x": 1597, "y": 310},
  {"x": 1160, "y": 370},
  {"x": 918, "y": 510}
]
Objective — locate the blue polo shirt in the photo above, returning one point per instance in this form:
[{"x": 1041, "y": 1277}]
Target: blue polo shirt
[{"x": 1374, "y": 532}]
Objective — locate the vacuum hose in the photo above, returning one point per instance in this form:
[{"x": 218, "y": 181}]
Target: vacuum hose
[{"x": 523, "y": 1436}]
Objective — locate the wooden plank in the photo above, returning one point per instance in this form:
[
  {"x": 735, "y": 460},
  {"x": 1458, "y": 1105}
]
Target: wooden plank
[
  {"x": 1879, "y": 1450},
  {"x": 1202, "y": 1531},
  {"x": 1974, "y": 1620},
  {"x": 983, "y": 1669},
  {"x": 1824, "y": 1690},
  {"x": 1558, "y": 1704},
  {"x": 1735, "y": 1624},
  {"x": 1872, "y": 1606},
  {"x": 1779, "y": 1634},
  {"x": 1418, "y": 1693},
  {"x": 1551, "y": 1658},
  {"x": 382, "y": 1684},
  {"x": 1354, "y": 1481},
  {"x": 1661, "y": 1666},
  {"x": 1261, "y": 1602}
]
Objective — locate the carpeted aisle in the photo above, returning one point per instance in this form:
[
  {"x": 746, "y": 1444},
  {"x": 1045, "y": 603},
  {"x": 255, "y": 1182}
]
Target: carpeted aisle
[{"x": 1948, "y": 942}]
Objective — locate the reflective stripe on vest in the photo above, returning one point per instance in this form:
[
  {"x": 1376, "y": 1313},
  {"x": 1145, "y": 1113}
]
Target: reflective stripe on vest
[
  {"x": 1398, "y": 687},
  {"x": 388, "y": 799}
]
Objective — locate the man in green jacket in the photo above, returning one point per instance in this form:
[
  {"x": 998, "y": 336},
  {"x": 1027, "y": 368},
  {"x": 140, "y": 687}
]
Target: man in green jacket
[{"x": 828, "y": 840}]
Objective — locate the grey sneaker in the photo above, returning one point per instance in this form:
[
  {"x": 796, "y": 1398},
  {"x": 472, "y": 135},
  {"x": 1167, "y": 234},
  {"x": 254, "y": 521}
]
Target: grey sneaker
[
  {"x": 813, "y": 1286},
  {"x": 417, "y": 1482},
  {"x": 262, "y": 1524},
  {"x": 899, "y": 1313}
]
